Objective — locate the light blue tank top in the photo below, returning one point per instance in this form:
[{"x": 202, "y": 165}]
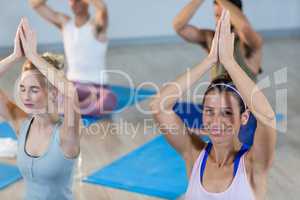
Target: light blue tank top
[{"x": 50, "y": 176}]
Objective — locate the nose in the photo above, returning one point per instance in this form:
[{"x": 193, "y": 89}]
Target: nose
[
  {"x": 216, "y": 122},
  {"x": 27, "y": 97}
]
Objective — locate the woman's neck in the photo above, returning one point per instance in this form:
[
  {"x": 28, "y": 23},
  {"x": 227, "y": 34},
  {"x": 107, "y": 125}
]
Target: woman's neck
[
  {"x": 223, "y": 155},
  {"x": 43, "y": 120}
]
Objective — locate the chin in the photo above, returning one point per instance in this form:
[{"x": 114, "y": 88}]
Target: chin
[
  {"x": 223, "y": 139},
  {"x": 36, "y": 111}
]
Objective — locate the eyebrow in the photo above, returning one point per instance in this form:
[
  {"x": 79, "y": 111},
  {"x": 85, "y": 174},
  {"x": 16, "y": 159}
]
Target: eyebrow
[
  {"x": 32, "y": 87},
  {"x": 210, "y": 107}
]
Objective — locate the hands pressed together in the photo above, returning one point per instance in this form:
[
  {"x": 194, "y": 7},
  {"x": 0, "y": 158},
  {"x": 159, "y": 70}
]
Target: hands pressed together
[
  {"x": 25, "y": 41},
  {"x": 223, "y": 41}
]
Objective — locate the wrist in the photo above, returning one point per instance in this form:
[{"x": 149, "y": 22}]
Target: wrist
[
  {"x": 229, "y": 62},
  {"x": 210, "y": 60},
  {"x": 198, "y": 2},
  {"x": 36, "y": 3},
  {"x": 32, "y": 56},
  {"x": 13, "y": 57}
]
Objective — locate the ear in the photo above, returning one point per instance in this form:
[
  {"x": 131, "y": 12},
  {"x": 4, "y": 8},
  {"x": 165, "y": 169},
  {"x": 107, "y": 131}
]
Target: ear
[{"x": 245, "y": 117}]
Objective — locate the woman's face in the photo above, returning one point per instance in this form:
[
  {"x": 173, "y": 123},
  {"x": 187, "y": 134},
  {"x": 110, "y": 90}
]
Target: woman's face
[
  {"x": 33, "y": 92},
  {"x": 221, "y": 116}
]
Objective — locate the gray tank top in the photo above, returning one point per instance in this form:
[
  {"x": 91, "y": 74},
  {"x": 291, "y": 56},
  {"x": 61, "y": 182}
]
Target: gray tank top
[{"x": 48, "y": 177}]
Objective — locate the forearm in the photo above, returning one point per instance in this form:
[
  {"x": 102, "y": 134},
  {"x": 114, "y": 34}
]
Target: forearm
[
  {"x": 6, "y": 63},
  {"x": 186, "y": 14},
  {"x": 238, "y": 19},
  {"x": 172, "y": 91},
  {"x": 254, "y": 97},
  {"x": 36, "y": 3},
  {"x": 98, "y": 4},
  {"x": 54, "y": 76}
]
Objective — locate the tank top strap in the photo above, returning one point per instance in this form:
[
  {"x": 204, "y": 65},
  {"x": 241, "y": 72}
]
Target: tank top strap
[
  {"x": 203, "y": 163},
  {"x": 237, "y": 159},
  {"x": 24, "y": 127}
]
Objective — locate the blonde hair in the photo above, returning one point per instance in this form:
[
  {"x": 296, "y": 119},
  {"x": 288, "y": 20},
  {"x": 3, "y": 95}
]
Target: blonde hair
[{"x": 56, "y": 60}]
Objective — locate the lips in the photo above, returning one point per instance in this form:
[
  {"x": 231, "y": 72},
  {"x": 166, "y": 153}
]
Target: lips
[
  {"x": 216, "y": 132},
  {"x": 29, "y": 105}
]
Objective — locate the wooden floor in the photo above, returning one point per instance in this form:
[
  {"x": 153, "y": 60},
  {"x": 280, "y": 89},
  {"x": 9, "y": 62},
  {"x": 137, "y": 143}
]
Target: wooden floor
[{"x": 160, "y": 63}]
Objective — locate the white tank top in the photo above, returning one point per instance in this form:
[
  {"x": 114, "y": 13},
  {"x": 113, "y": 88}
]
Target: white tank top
[
  {"x": 86, "y": 56},
  {"x": 239, "y": 189}
]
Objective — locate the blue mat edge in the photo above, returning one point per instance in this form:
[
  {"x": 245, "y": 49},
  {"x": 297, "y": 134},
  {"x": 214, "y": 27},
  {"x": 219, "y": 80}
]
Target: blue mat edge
[
  {"x": 136, "y": 189},
  {"x": 112, "y": 184},
  {"x": 12, "y": 179},
  {"x": 8, "y": 126},
  {"x": 88, "y": 121}
]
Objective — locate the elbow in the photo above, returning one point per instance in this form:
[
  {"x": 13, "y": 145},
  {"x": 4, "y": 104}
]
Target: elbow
[
  {"x": 260, "y": 42},
  {"x": 157, "y": 111},
  {"x": 257, "y": 41},
  {"x": 268, "y": 118},
  {"x": 154, "y": 106},
  {"x": 177, "y": 26},
  {"x": 246, "y": 28},
  {"x": 270, "y": 115}
]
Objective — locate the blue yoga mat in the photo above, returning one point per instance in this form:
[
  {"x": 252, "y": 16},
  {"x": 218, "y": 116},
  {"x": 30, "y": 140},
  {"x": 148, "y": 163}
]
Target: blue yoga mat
[
  {"x": 154, "y": 169},
  {"x": 7, "y": 131},
  {"x": 126, "y": 97},
  {"x": 9, "y": 174}
]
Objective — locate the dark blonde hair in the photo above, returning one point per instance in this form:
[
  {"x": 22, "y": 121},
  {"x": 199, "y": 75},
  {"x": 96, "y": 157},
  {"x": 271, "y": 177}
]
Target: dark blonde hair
[
  {"x": 224, "y": 83},
  {"x": 56, "y": 60}
]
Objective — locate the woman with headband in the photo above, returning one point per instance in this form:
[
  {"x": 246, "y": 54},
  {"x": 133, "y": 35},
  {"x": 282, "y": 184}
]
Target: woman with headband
[
  {"x": 222, "y": 169},
  {"x": 48, "y": 146}
]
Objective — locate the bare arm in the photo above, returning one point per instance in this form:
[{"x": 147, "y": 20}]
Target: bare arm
[
  {"x": 6, "y": 63},
  {"x": 8, "y": 109},
  {"x": 162, "y": 107},
  {"x": 189, "y": 32},
  {"x": 56, "y": 18},
  {"x": 70, "y": 134},
  {"x": 101, "y": 18},
  {"x": 163, "y": 103},
  {"x": 6, "y": 104},
  {"x": 246, "y": 33},
  {"x": 263, "y": 149}
]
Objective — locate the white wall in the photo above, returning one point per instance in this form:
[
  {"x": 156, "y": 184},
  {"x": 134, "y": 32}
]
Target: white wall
[{"x": 144, "y": 18}]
